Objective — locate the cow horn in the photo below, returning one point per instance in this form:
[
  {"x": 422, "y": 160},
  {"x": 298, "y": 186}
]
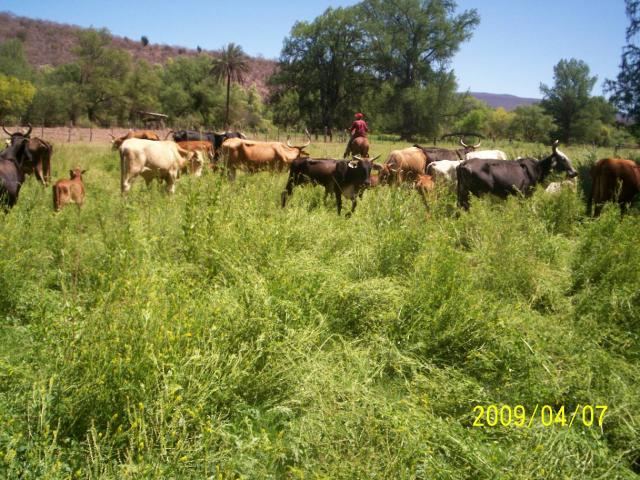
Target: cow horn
[
  {"x": 463, "y": 144},
  {"x": 166, "y": 136},
  {"x": 477, "y": 144},
  {"x": 357, "y": 157},
  {"x": 554, "y": 145},
  {"x": 375, "y": 158},
  {"x": 113, "y": 137},
  {"x": 309, "y": 137},
  {"x": 28, "y": 131},
  {"x": 219, "y": 133},
  {"x": 6, "y": 131}
]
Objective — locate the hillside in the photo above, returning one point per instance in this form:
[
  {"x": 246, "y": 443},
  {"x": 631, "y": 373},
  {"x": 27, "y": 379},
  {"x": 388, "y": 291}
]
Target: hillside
[
  {"x": 50, "y": 43},
  {"x": 506, "y": 101}
]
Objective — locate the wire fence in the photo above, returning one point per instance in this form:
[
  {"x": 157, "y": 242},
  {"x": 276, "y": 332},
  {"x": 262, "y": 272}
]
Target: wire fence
[{"x": 104, "y": 135}]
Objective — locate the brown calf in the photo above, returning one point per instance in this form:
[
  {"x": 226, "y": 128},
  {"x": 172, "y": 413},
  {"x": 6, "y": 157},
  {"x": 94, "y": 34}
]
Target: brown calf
[{"x": 69, "y": 191}]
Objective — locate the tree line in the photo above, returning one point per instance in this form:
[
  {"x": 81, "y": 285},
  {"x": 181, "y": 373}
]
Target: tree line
[{"x": 390, "y": 60}]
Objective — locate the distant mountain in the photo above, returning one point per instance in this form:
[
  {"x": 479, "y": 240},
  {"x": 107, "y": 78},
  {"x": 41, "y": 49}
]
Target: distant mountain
[
  {"x": 51, "y": 43},
  {"x": 506, "y": 101}
]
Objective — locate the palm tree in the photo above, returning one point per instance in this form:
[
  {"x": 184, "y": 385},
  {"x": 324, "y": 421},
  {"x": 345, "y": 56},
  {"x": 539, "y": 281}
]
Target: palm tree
[{"x": 231, "y": 65}]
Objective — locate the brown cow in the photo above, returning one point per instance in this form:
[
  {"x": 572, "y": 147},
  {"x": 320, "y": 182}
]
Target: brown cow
[
  {"x": 404, "y": 165},
  {"x": 255, "y": 156},
  {"x": 614, "y": 179},
  {"x": 38, "y": 157},
  {"x": 69, "y": 191},
  {"x": 142, "y": 134},
  {"x": 424, "y": 184}
]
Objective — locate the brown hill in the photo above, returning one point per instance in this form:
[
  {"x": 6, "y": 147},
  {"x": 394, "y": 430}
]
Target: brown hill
[{"x": 50, "y": 43}]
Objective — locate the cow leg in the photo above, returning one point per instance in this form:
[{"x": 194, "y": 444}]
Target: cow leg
[
  {"x": 39, "y": 174},
  {"x": 231, "y": 174},
  {"x": 287, "y": 192},
  {"x": 127, "y": 181},
  {"x": 338, "y": 195}
]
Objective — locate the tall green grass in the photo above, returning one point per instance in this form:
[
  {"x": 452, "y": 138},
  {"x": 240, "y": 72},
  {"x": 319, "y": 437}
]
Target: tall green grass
[{"x": 213, "y": 334}]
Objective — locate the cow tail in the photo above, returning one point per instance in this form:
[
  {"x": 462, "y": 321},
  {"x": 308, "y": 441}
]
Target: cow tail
[
  {"x": 122, "y": 170},
  {"x": 55, "y": 197}
]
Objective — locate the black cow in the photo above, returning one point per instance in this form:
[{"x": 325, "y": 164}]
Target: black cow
[
  {"x": 216, "y": 138},
  {"x": 504, "y": 177},
  {"x": 40, "y": 151},
  {"x": 435, "y": 154},
  {"x": 340, "y": 177},
  {"x": 11, "y": 174}
]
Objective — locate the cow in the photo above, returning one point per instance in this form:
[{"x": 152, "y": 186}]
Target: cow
[
  {"x": 340, "y": 177},
  {"x": 216, "y": 138},
  {"x": 358, "y": 146},
  {"x": 614, "y": 179},
  {"x": 254, "y": 156},
  {"x": 487, "y": 155},
  {"x": 201, "y": 149},
  {"x": 12, "y": 176},
  {"x": 404, "y": 165},
  {"x": 141, "y": 134},
  {"x": 151, "y": 159},
  {"x": 435, "y": 154},
  {"x": 69, "y": 191},
  {"x": 444, "y": 170},
  {"x": 502, "y": 178},
  {"x": 424, "y": 184},
  {"x": 38, "y": 157}
]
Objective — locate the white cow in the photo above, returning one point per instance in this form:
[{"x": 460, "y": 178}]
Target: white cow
[
  {"x": 151, "y": 159},
  {"x": 487, "y": 155},
  {"x": 444, "y": 170}
]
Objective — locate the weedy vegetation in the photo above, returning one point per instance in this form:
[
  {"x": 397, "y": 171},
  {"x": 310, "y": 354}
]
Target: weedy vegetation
[{"x": 213, "y": 334}]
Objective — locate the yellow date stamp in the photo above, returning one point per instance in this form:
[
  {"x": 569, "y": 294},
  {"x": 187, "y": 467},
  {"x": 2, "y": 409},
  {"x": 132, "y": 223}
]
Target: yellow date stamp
[{"x": 546, "y": 415}]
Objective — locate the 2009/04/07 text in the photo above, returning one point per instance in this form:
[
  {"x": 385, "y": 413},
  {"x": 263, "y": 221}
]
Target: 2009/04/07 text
[{"x": 546, "y": 415}]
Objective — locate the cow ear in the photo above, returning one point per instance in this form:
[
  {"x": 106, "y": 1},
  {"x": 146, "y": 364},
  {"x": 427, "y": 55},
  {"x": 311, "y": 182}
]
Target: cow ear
[
  {"x": 70, "y": 173},
  {"x": 376, "y": 166},
  {"x": 83, "y": 172}
]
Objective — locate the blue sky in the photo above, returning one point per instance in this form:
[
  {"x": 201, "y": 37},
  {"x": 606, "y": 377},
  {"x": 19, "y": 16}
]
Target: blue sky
[{"x": 512, "y": 51}]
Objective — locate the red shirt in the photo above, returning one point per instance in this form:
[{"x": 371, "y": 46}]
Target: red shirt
[{"x": 359, "y": 128}]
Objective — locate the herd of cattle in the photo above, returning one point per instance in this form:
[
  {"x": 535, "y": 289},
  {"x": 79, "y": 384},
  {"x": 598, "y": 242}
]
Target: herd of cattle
[{"x": 467, "y": 170}]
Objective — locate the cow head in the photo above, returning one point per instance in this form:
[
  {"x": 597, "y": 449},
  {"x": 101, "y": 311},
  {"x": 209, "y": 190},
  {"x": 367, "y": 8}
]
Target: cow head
[
  {"x": 361, "y": 168},
  {"x": 18, "y": 134},
  {"x": 560, "y": 162},
  {"x": 76, "y": 173},
  {"x": 469, "y": 148},
  {"x": 301, "y": 148}
]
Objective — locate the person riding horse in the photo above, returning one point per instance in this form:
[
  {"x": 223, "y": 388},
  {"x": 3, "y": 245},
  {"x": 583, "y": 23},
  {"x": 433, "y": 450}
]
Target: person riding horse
[{"x": 358, "y": 128}]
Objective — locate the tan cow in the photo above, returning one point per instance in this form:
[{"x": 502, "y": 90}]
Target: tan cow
[
  {"x": 151, "y": 159},
  {"x": 69, "y": 191},
  {"x": 116, "y": 142},
  {"x": 254, "y": 156},
  {"x": 403, "y": 166}
]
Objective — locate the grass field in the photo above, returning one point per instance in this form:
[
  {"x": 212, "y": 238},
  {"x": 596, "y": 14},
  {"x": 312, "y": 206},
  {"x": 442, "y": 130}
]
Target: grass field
[{"x": 213, "y": 334}]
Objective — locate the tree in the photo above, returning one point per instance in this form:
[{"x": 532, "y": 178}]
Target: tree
[
  {"x": 144, "y": 40},
  {"x": 568, "y": 99},
  {"x": 13, "y": 61},
  {"x": 411, "y": 43},
  {"x": 100, "y": 74},
  {"x": 498, "y": 123},
  {"x": 531, "y": 123},
  {"x": 15, "y": 96},
  {"x": 625, "y": 89},
  {"x": 231, "y": 65},
  {"x": 323, "y": 62}
]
